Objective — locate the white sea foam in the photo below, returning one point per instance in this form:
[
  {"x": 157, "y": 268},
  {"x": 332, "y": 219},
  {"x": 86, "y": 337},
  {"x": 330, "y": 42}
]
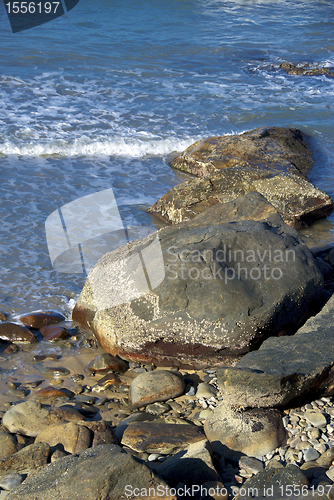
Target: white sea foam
[{"x": 133, "y": 148}]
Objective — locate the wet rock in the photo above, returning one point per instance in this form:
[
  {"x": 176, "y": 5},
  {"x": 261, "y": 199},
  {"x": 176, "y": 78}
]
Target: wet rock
[
  {"x": 11, "y": 332},
  {"x": 30, "y": 417},
  {"x": 52, "y": 333},
  {"x": 43, "y": 357},
  {"x": 11, "y": 349},
  {"x": 157, "y": 408},
  {"x": 102, "y": 472},
  {"x": 158, "y": 385},
  {"x": 106, "y": 362},
  {"x": 195, "y": 462},
  {"x": 210, "y": 304},
  {"x": 29, "y": 458},
  {"x": 39, "y": 319},
  {"x": 161, "y": 438},
  {"x": 306, "y": 69},
  {"x": 253, "y": 432},
  {"x": 51, "y": 393},
  {"x": 273, "y": 483},
  {"x": 8, "y": 445},
  {"x": 58, "y": 371},
  {"x": 272, "y": 161},
  {"x": 74, "y": 438},
  {"x": 285, "y": 368},
  {"x": 107, "y": 382}
]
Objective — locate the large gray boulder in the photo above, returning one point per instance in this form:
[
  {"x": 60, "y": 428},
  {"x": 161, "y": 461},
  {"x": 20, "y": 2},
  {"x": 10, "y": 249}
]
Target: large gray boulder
[
  {"x": 272, "y": 161},
  {"x": 285, "y": 368},
  {"x": 104, "y": 472},
  {"x": 208, "y": 289}
]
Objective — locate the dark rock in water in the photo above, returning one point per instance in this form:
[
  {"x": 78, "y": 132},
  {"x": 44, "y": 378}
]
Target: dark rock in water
[
  {"x": 107, "y": 382},
  {"x": 11, "y": 332},
  {"x": 216, "y": 289},
  {"x": 54, "y": 333},
  {"x": 306, "y": 70},
  {"x": 104, "y": 472},
  {"x": 158, "y": 385},
  {"x": 11, "y": 349},
  {"x": 272, "y": 161},
  {"x": 285, "y": 368},
  {"x": 253, "y": 432},
  {"x": 106, "y": 362},
  {"x": 162, "y": 438},
  {"x": 58, "y": 371},
  {"x": 29, "y": 458},
  {"x": 3, "y": 316},
  {"x": 39, "y": 319}
]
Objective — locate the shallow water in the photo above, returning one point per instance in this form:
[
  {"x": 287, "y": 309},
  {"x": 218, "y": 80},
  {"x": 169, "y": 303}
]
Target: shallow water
[{"x": 105, "y": 96}]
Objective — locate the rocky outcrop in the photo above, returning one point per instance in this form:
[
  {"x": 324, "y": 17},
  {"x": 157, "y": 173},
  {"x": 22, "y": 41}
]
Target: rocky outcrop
[
  {"x": 272, "y": 161},
  {"x": 306, "y": 69},
  {"x": 285, "y": 368},
  {"x": 217, "y": 289}
]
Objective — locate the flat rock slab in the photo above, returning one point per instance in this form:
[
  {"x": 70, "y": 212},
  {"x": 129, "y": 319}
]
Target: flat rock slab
[
  {"x": 285, "y": 368},
  {"x": 151, "y": 437},
  {"x": 272, "y": 161},
  {"x": 253, "y": 432},
  {"x": 215, "y": 290},
  {"x": 104, "y": 472},
  {"x": 31, "y": 417},
  {"x": 158, "y": 385}
]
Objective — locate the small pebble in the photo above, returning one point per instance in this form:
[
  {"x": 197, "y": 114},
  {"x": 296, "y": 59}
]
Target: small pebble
[
  {"x": 11, "y": 481},
  {"x": 311, "y": 454}
]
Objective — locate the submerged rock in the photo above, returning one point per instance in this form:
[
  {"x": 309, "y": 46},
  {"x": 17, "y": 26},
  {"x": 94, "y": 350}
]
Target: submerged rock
[
  {"x": 306, "y": 69},
  {"x": 285, "y": 368},
  {"x": 52, "y": 333},
  {"x": 272, "y": 161},
  {"x": 106, "y": 362},
  {"x": 215, "y": 289}
]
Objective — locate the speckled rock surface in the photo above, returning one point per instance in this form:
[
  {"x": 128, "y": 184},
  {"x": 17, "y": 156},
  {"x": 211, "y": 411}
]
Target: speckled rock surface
[
  {"x": 253, "y": 432},
  {"x": 204, "y": 304}
]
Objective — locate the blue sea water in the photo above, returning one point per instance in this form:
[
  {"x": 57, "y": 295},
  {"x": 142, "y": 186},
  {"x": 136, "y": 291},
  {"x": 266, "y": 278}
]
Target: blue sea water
[{"x": 106, "y": 95}]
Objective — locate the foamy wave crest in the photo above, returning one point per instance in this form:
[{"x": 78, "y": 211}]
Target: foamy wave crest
[{"x": 133, "y": 148}]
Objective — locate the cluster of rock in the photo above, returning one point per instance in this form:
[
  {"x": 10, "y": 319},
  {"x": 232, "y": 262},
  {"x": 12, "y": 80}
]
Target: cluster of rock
[
  {"x": 227, "y": 289},
  {"x": 34, "y": 326},
  {"x": 306, "y": 69},
  {"x": 174, "y": 436}
]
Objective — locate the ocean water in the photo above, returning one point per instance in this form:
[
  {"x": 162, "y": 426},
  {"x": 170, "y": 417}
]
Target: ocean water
[{"x": 103, "y": 97}]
